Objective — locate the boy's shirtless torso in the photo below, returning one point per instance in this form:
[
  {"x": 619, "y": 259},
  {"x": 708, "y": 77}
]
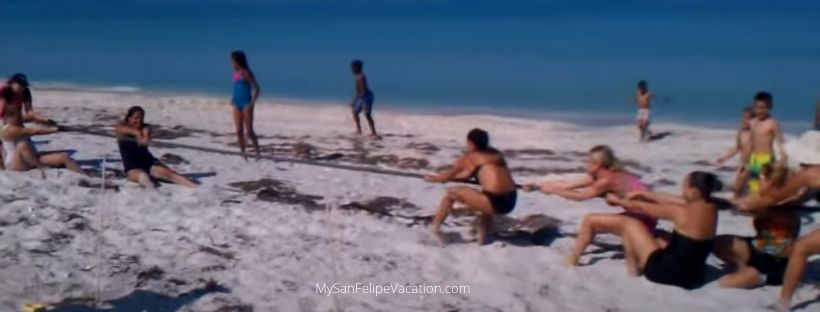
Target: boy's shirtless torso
[
  {"x": 763, "y": 133},
  {"x": 642, "y": 99}
]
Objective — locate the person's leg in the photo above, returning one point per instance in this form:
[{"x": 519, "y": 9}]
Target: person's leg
[
  {"x": 26, "y": 159},
  {"x": 732, "y": 250},
  {"x": 735, "y": 252},
  {"x": 638, "y": 242},
  {"x": 474, "y": 200},
  {"x": 240, "y": 129},
  {"x": 141, "y": 177},
  {"x": 356, "y": 109},
  {"x": 368, "y": 114},
  {"x": 803, "y": 248},
  {"x": 591, "y": 225},
  {"x": 165, "y": 173},
  {"x": 740, "y": 182},
  {"x": 247, "y": 116},
  {"x": 60, "y": 160}
]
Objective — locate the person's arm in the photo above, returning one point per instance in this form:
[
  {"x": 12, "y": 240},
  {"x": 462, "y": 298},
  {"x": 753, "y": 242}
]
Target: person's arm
[
  {"x": 145, "y": 138},
  {"x": 123, "y": 130},
  {"x": 564, "y": 184},
  {"x": 792, "y": 188},
  {"x": 659, "y": 198},
  {"x": 728, "y": 154},
  {"x": 360, "y": 90},
  {"x": 596, "y": 189},
  {"x": 449, "y": 174},
  {"x": 18, "y": 133},
  {"x": 37, "y": 117},
  {"x": 250, "y": 78},
  {"x": 778, "y": 139},
  {"x": 666, "y": 211}
]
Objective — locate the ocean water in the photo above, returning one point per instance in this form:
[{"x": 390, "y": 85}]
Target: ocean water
[{"x": 570, "y": 59}]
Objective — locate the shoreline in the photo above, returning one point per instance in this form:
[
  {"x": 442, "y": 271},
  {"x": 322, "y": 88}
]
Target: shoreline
[{"x": 577, "y": 118}]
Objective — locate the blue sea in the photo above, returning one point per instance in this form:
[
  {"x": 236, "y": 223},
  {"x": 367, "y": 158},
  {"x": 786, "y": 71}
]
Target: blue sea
[{"x": 577, "y": 59}]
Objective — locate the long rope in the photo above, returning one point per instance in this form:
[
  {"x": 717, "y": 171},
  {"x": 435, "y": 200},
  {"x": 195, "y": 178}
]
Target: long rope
[
  {"x": 301, "y": 161},
  {"x": 267, "y": 157}
]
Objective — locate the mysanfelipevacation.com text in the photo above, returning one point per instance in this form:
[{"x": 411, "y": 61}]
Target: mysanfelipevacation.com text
[{"x": 376, "y": 289}]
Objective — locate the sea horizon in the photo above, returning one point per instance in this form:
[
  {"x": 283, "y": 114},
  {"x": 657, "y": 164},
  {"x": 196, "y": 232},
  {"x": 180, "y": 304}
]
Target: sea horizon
[{"x": 536, "y": 59}]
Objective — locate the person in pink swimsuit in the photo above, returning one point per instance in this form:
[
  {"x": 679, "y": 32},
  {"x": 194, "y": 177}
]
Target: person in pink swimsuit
[{"x": 604, "y": 175}]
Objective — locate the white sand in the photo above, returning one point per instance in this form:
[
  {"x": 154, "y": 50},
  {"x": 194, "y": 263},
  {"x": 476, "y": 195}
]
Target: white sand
[{"x": 271, "y": 255}]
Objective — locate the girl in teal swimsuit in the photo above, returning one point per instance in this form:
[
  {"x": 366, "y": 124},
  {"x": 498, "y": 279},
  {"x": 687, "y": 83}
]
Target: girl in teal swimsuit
[{"x": 245, "y": 93}]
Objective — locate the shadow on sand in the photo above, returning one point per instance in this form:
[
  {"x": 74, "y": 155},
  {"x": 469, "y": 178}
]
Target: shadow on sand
[
  {"x": 141, "y": 300},
  {"x": 659, "y": 136}
]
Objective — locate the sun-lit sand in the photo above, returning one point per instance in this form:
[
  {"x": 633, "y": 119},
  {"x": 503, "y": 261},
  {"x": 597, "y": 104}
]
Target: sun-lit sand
[{"x": 267, "y": 232}]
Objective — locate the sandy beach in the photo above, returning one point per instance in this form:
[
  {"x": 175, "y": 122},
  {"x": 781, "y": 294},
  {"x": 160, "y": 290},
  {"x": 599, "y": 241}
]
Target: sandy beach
[{"x": 260, "y": 235}]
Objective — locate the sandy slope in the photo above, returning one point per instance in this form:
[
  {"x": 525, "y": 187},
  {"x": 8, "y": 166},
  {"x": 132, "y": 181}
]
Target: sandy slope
[{"x": 268, "y": 243}]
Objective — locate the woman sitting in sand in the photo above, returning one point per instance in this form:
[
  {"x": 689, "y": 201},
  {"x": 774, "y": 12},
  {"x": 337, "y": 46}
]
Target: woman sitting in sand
[
  {"x": 488, "y": 167},
  {"x": 604, "y": 175},
  {"x": 682, "y": 262},
  {"x": 19, "y": 153},
  {"x": 133, "y": 138},
  {"x": 806, "y": 153}
]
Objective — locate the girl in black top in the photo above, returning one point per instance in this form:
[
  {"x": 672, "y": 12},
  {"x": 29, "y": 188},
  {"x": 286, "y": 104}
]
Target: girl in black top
[{"x": 133, "y": 138}]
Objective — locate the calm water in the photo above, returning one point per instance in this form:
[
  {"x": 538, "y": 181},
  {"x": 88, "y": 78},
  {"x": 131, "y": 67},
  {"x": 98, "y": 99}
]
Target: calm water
[{"x": 532, "y": 58}]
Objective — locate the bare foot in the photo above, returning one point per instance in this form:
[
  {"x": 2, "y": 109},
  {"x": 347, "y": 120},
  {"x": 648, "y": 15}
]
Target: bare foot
[
  {"x": 437, "y": 237},
  {"x": 571, "y": 261},
  {"x": 781, "y": 305},
  {"x": 632, "y": 270}
]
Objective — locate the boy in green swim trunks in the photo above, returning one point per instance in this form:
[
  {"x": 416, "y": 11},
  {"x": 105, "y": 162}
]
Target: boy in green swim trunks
[{"x": 765, "y": 133}]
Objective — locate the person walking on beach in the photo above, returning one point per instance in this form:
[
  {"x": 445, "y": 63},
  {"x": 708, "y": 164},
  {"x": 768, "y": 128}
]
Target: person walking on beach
[
  {"x": 486, "y": 165},
  {"x": 245, "y": 94},
  {"x": 363, "y": 100},
  {"x": 604, "y": 175},
  {"x": 765, "y": 133},
  {"x": 682, "y": 262},
  {"x": 133, "y": 138},
  {"x": 743, "y": 147},
  {"x": 643, "y": 98}
]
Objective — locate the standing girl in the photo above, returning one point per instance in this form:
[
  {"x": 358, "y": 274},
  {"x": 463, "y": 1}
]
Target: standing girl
[{"x": 245, "y": 93}]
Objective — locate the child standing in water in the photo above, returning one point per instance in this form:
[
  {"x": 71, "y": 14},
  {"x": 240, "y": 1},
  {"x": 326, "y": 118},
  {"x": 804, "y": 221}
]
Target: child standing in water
[
  {"x": 743, "y": 146},
  {"x": 643, "y": 98},
  {"x": 363, "y": 99},
  {"x": 765, "y": 133},
  {"x": 245, "y": 94}
]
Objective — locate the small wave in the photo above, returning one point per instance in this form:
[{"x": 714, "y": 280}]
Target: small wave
[{"x": 63, "y": 86}]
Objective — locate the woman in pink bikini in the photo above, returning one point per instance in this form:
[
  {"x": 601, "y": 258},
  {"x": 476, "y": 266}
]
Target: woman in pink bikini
[{"x": 604, "y": 175}]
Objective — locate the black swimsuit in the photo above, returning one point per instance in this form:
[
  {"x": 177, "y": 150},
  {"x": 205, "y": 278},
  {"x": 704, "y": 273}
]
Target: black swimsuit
[
  {"x": 135, "y": 156},
  {"x": 682, "y": 263},
  {"x": 501, "y": 203}
]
